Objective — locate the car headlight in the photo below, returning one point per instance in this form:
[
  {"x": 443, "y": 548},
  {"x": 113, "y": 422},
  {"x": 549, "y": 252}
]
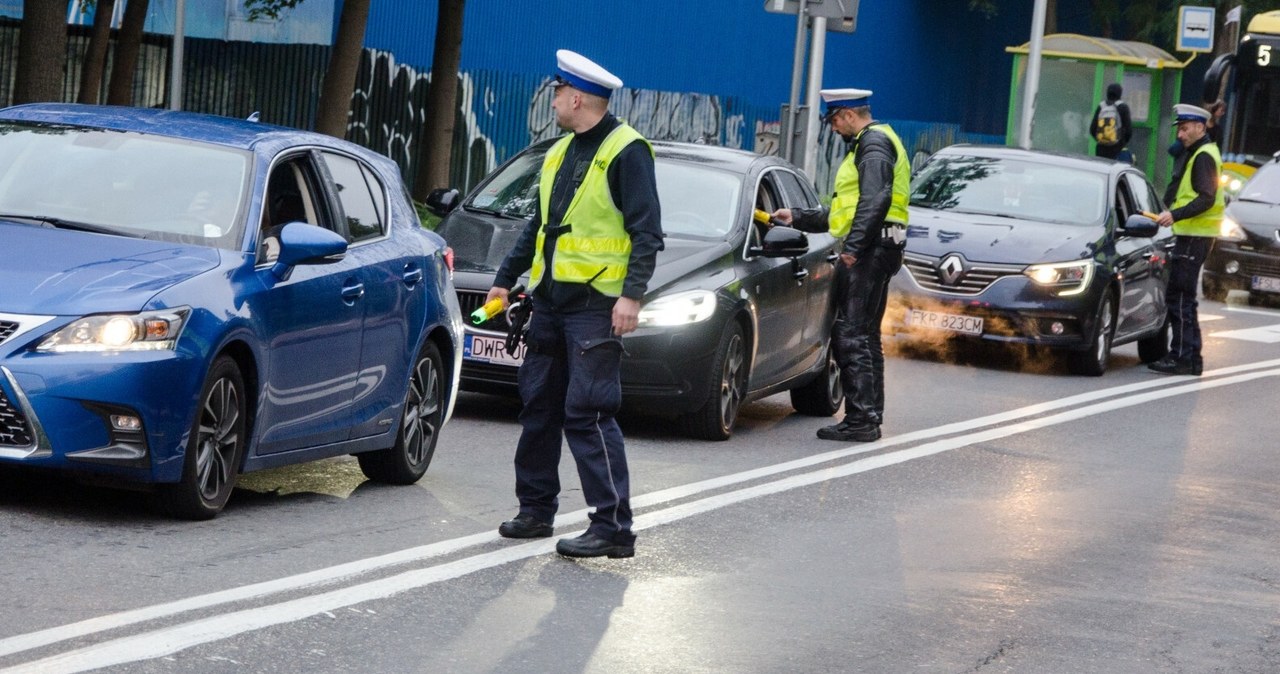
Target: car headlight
[
  {"x": 678, "y": 309},
  {"x": 1231, "y": 230},
  {"x": 146, "y": 331},
  {"x": 1069, "y": 278}
]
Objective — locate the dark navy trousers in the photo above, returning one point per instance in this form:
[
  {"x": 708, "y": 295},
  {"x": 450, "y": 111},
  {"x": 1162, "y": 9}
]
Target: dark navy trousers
[
  {"x": 570, "y": 387},
  {"x": 1189, "y": 253}
]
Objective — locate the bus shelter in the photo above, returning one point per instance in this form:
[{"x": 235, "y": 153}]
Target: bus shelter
[{"x": 1074, "y": 73}]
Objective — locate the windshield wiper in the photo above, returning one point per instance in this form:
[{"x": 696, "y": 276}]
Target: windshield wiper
[
  {"x": 990, "y": 213},
  {"x": 1255, "y": 201},
  {"x": 59, "y": 223},
  {"x": 493, "y": 211}
]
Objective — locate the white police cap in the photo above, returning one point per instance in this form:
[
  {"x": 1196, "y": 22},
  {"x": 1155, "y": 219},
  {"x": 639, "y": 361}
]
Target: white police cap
[
  {"x": 583, "y": 74},
  {"x": 845, "y": 98},
  {"x": 1185, "y": 112}
]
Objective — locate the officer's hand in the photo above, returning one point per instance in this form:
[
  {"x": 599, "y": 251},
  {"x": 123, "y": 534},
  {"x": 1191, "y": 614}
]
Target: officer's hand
[
  {"x": 1165, "y": 219},
  {"x": 498, "y": 292},
  {"x": 626, "y": 313},
  {"x": 782, "y": 215},
  {"x": 848, "y": 259}
]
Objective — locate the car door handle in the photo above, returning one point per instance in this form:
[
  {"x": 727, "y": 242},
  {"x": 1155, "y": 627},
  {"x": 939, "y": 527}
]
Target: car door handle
[
  {"x": 412, "y": 275},
  {"x": 832, "y": 258},
  {"x": 798, "y": 272},
  {"x": 352, "y": 292}
]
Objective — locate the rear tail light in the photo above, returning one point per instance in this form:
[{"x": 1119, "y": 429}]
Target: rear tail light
[{"x": 448, "y": 258}]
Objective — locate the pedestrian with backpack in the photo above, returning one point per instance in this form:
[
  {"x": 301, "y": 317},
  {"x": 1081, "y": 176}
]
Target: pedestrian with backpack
[{"x": 1111, "y": 126}]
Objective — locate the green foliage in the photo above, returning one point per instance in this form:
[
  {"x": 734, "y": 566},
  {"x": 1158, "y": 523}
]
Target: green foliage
[{"x": 269, "y": 9}]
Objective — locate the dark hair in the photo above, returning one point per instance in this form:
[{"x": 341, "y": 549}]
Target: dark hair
[{"x": 1113, "y": 91}]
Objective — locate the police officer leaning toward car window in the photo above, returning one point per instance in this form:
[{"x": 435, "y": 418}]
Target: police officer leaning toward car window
[
  {"x": 869, "y": 213},
  {"x": 590, "y": 250},
  {"x": 1196, "y": 218}
]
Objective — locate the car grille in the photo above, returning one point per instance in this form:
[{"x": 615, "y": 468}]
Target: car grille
[
  {"x": 1259, "y": 266},
  {"x": 976, "y": 277},
  {"x": 14, "y": 430},
  {"x": 7, "y": 328},
  {"x": 469, "y": 301}
]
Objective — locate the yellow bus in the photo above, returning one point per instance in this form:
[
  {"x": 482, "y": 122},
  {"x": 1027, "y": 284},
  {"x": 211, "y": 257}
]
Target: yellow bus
[{"x": 1249, "y": 82}]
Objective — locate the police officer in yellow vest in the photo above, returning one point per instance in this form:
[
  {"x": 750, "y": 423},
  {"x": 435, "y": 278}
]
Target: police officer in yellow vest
[
  {"x": 1196, "y": 218},
  {"x": 590, "y": 251},
  {"x": 869, "y": 212}
]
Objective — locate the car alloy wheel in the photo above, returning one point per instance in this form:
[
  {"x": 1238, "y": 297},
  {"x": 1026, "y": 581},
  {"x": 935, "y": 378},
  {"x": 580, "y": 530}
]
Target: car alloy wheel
[
  {"x": 823, "y": 395},
  {"x": 1093, "y": 362},
  {"x": 421, "y": 417},
  {"x": 718, "y": 415},
  {"x": 214, "y": 449}
]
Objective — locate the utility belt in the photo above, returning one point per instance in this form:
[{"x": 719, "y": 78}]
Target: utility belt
[{"x": 893, "y": 234}]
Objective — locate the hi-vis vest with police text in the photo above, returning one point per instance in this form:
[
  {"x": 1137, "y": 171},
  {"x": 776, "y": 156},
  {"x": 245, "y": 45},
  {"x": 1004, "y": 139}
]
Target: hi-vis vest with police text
[
  {"x": 845, "y": 202},
  {"x": 596, "y": 247},
  {"x": 1208, "y": 223}
]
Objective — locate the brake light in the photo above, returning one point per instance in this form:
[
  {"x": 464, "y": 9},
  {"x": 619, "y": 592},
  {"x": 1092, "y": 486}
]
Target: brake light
[{"x": 448, "y": 259}]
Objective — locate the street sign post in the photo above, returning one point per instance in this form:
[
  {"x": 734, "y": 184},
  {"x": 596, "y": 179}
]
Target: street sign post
[
  {"x": 841, "y": 15},
  {"x": 1195, "y": 28}
]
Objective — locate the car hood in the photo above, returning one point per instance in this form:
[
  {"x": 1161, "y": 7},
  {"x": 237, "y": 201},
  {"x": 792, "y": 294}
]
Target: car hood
[
  {"x": 60, "y": 272},
  {"x": 481, "y": 242},
  {"x": 984, "y": 238},
  {"x": 1261, "y": 222}
]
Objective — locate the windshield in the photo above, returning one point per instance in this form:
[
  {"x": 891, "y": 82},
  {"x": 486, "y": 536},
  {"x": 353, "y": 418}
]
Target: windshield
[
  {"x": 1264, "y": 186},
  {"x": 696, "y": 201},
  {"x": 1011, "y": 188},
  {"x": 123, "y": 183}
]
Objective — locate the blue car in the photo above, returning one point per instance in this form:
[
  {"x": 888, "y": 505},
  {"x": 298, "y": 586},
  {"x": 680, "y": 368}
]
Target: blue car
[{"x": 188, "y": 297}]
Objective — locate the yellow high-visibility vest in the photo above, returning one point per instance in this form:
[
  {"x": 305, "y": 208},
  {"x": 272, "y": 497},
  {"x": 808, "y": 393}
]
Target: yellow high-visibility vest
[
  {"x": 845, "y": 202},
  {"x": 1208, "y": 223}
]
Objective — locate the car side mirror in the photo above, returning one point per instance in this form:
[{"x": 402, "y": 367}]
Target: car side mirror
[
  {"x": 1140, "y": 226},
  {"x": 782, "y": 242},
  {"x": 440, "y": 201},
  {"x": 301, "y": 243}
]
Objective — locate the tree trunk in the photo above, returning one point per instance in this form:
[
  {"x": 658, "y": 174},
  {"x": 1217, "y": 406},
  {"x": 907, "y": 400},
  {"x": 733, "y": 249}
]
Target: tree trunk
[
  {"x": 42, "y": 52},
  {"x": 436, "y": 149},
  {"x": 120, "y": 91},
  {"x": 95, "y": 58},
  {"x": 340, "y": 78}
]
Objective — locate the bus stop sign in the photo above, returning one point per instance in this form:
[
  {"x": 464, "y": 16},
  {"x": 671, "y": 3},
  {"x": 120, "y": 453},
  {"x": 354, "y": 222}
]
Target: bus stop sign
[
  {"x": 842, "y": 15},
  {"x": 1195, "y": 28}
]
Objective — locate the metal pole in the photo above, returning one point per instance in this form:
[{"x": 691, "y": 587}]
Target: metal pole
[
  {"x": 817, "y": 50},
  {"x": 1032, "y": 86},
  {"x": 175, "y": 61},
  {"x": 797, "y": 75}
]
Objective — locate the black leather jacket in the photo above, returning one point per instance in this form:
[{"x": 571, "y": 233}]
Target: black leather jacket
[{"x": 874, "y": 156}]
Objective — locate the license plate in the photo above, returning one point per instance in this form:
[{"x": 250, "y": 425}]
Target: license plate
[
  {"x": 969, "y": 325},
  {"x": 490, "y": 350},
  {"x": 1266, "y": 284}
]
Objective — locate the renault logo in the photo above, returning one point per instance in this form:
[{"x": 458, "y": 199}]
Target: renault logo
[{"x": 951, "y": 269}]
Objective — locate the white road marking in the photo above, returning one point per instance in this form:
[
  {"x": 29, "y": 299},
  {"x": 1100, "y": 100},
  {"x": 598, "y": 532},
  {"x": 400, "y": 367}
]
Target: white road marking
[
  {"x": 338, "y": 573},
  {"x": 1267, "y": 334},
  {"x": 1256, "y": 312}
]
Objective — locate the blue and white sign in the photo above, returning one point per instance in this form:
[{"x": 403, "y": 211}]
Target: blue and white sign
[{"x": 1195, "y": 28}]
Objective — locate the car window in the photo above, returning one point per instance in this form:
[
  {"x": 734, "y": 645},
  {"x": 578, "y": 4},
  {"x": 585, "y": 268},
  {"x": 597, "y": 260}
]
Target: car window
[
  {"x": 513, "y": 190},
  {"x": 698, "y": 202},
  {"x": 1264, "y": 186},
  {"x": 129, "y": 184},
  {"x": 1144, "y": 196},
  {"x": 290, "y": 197},
  {"x": 1012, "y": 188},
  {"x": 359, "y": 194},
  {"x": 798, "y": 193},
  {"x": 768, "y": 193}
]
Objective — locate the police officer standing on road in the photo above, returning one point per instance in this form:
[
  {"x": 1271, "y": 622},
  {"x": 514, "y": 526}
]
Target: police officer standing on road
[
  {"x": 590, "y": 251},
  {"x": 1196, "y": 218},
  {"x": 869, "y": 212}
]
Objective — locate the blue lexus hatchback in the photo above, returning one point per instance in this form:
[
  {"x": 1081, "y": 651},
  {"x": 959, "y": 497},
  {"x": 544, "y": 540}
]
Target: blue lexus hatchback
[{"x": 188, "y": 297}]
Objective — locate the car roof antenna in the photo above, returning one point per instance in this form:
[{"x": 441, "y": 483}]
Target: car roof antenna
[{"x": 254, "y": 116}]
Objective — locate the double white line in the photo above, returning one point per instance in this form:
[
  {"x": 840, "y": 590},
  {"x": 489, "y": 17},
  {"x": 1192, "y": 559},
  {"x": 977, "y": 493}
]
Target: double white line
[{"x": 170, "y": 639}]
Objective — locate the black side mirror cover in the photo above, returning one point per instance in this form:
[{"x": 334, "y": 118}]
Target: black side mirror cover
[
  {"x": 783, "y": 242},
  {"x": 1140, "y": 226},
  {"x": 441, "y": 200}
]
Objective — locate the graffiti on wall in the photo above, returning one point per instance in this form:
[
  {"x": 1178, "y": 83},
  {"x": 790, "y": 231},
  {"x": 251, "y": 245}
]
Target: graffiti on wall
[{"x": 389, "y": 114}]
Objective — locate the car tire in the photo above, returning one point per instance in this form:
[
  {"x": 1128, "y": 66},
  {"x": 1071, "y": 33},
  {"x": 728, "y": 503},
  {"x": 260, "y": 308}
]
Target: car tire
[
  {"x": 1093, "y": 361},
  {"x": 215, "y": 447},
  {"x": 1155, "y": 347},
  {"x": 823, "y": 395},
  {"x": 421, "y": 417},
  {"x": 1213, "y": 290},
  {"x": 718, "y": 415}
]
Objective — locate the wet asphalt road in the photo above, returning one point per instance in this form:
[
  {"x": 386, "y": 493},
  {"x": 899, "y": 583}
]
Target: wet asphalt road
[{"x": 1129, "y": 523}]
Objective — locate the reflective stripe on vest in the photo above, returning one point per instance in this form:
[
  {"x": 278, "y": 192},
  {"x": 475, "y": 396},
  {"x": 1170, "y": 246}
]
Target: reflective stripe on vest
[
  {"x": 1208, "y": 223},
  {"x": 845, "y": 201},
  {"x": 596, "y": 248}
]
